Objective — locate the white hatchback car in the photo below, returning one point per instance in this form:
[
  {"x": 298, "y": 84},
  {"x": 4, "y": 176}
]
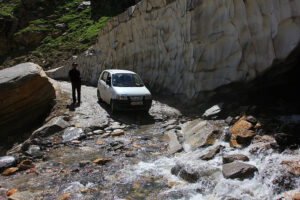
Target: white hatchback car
[{"x": 123, "y": 90}]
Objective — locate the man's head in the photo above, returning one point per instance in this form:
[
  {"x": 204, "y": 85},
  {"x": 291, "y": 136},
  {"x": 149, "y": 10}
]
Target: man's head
[{"x": 74, "y": 65}]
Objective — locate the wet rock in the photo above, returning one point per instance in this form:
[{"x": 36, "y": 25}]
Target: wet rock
[
  {"x": 10, "y": 171},
  {"x": 130, "y": 154},
  {"x": 7, "y": 161},
  {"x": 246, "y": 137},
  {"x": 98, "y": 131},
  {"x": 229, "y": 120},
  {"x": 290, "y": 195},
  {"x": 102, "y": 161},
  {"x": 241, "y": 131},
  {"x": 72, "y": 133},
  {"x": 292, "y": 165},
  {"x": 234, "y": 144},
  {"x": 174, "y": 146},
  {"x": 285, "y": 140},
  {"x": 283, "y": 181},
  {"x": 251, "y": 119},
  {"x": 212, "y": 137},
  {"x": 118, "y": 132},
  {"x": 25, "y": 164},
  {"x": 189, "y": 175},
  {"x": 176, "y": 169},
  {"x": 195, "y": 133},
  {"x": 34, "y": 151},
  {"x": 169, "y": 123},
  {"x": 238, "y": 170},
  {"x": 213, "y": 110},
  {"x": 211, "y": 154},
  {"x": 234, "y": 157},
  {"x": 53, "y": 126},
  {"x": 71, "y": 191}
]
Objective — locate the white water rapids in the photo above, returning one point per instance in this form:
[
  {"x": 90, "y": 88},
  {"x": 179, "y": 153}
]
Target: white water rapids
[{"x": 212, "y": 184}]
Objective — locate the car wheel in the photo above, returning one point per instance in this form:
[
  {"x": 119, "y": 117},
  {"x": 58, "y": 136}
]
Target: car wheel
[{"x": 99, "y": 97}]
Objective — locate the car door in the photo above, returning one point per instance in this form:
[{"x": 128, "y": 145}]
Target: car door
[
  {"x": 102, "y": 84},
  {"x": 107, "y": 89}
]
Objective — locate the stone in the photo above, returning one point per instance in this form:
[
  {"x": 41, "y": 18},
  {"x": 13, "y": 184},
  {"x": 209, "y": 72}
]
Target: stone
[
  {"x": 7, "y": 161},
  {"x": 84, "y": 163},
  {"x": 105, "y": 135},
  {"x": 238, "y": 170},
  {"x": 292, "y": 165},
  {"x": 118, "y": 132},
  {"x": 234, "y": 157},
  {"x": 20, "y": 86},
  {"x": 72, "y": 133},
  {"x": 211, "y": 154},
  {"x": 229, "y": 120},
  {"x": 97, "y": 132},
  {"x": 102, "y": 161},
  {"x": 25, "y": 164},
  {"x": 195, "y": 133},
  {"x": 174, "y": 145},
  {"x": 10, "y": 171},
  {"x": 84, "y": 5},
  {"x": 284, "y": 139},
  {"x": 234, "y": 144},
  {"x": 241, "y": 131},
  {"x": 212, "y": 137},
  {"x": 34, "y": 151},
  {"x": 53, "y": 126},
  {"x": 251, "y": 119},
  {"x": 213, "y": 110},
  {"x": 186, "y": 174},
  {"x": 3, "y": 192}
]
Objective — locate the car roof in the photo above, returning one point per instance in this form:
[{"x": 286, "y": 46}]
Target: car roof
[{"x": 117, "y": 71}]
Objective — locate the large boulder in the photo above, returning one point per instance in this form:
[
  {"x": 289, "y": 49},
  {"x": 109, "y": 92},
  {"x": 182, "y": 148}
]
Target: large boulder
[
  {"x": 238, "y": 170},
  {"x": 26, "y": 97},
  {"x": 198, "y": 133}
]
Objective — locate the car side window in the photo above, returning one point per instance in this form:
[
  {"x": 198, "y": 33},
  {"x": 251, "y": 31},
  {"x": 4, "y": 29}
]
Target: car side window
[{"x": 104, "y": 76}]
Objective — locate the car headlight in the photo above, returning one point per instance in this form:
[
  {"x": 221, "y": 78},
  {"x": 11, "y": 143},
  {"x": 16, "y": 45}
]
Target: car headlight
[
  {"x": 148, "y": 97},
  {"x": 121, "y": 97}
]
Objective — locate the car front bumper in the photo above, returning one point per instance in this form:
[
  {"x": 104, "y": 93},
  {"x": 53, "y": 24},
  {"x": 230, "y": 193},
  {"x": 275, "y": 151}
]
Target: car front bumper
[{"x": 124, "y": 105}]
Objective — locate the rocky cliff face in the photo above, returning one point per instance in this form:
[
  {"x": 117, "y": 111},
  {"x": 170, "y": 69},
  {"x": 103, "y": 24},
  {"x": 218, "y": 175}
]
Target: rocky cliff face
[{"x": 193, "y": 46}]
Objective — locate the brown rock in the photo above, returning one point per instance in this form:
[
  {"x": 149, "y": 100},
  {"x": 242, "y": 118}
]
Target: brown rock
[
  {"x": 102, "y": 161},
  {"x": 234, "y": 144},
  {"x": 234, "y": 157},
  {"x": 64, "y": 196},
  {"x": 238, "y": 170},
  {"x": 25, "y": 164},
  {"x": 211, "y": 154},
  {"x": 212, "y": 137},
  {"x": 293, "y": 166},
  {"x": 26, "y": 96},
  {"x": 10, "y": 171},
  {"x": 241, "y": 131},
  {"x": 11, "y": 192}
]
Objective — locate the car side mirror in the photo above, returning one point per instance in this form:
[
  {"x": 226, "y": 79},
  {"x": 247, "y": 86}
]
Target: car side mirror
[{"x": 108, "y": 82}]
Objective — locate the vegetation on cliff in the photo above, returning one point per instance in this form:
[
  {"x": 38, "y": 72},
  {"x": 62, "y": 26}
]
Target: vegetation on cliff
[{"x": 45, "y": 32}]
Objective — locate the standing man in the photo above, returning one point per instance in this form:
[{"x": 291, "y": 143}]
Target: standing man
[{"x": 74, "y": 76}]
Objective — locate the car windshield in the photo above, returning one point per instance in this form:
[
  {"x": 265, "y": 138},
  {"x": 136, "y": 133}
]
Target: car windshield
[{"x": 126, "y": 80}]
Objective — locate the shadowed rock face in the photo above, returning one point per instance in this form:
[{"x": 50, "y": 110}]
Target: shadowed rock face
[{"x": 26, "y": 96}]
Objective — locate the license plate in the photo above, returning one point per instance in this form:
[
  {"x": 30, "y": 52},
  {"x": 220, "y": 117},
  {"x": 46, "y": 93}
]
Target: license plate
[
  {"x": 136, "y": 103},
  {"x": 136, "y": 98}
]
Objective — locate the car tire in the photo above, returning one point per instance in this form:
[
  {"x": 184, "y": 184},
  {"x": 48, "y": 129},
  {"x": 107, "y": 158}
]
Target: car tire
[{"x": 99, "y": 97}]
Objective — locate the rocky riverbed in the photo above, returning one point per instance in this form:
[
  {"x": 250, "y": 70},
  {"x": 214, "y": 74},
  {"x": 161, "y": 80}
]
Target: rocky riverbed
[{"x": 87, "y": 153}]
